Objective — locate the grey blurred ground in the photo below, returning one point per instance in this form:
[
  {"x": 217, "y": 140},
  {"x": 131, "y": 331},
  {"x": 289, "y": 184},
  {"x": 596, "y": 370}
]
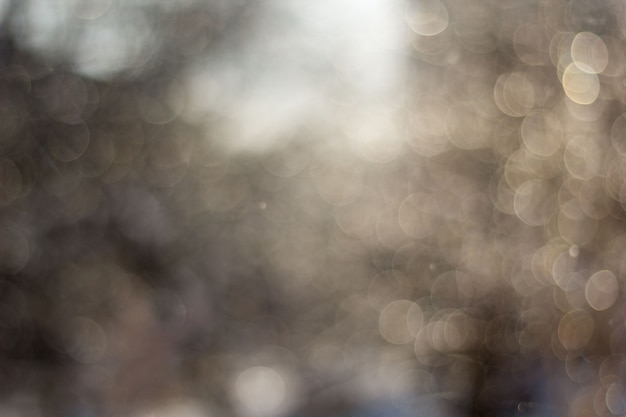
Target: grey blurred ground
[{"x": 286, "y": 208}]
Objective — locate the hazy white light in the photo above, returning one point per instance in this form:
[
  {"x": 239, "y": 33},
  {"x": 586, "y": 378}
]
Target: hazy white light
[
  {"x": 106, "y": 48},
  {"x": 261, "y": 391},
  {"x": 320, "y": 66},
  {"x": 44, "y": 24}
]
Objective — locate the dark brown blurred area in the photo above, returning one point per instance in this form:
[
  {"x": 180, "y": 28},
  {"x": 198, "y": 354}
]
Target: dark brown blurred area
[{"x": 266, "y": 209}]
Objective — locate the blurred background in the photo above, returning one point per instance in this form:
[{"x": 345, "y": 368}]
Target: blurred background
[{"x": 336, "y": 208}]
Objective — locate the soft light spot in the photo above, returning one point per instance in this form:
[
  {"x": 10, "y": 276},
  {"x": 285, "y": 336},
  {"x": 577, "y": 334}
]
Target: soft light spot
[
  {"x": 587, "y": 112},
  {"x": 580, "y": 86},
  {"x": 427, "y": 18},
  {"x": 576, "y": 329},
  {"x": 534, "y": 202},
  {"x": 427, "y": 129},
  {"x": 583, "y": 157},
  {"x": 338, "y": 182},
  {"x": 373, "y": 136},
  {"x": 618, "y": 134},
  {"x": 68, "y": 142},
  {"x": 458, "y": 331},
  {"x": 581, "y": 405},
  {"x": 616, "y": 399},
  {"x": 161, "y": 105},
  {"x": 180, "y": 408},
  {"x": 602, "y": 290},
  {"x": 14, "y": 250},
  {"x": 169, "y": 308},
  {"x": 531, "y": 44},
  {"x": 286, "y": 164},
  {"x": 589, "y": 53},
  {"x": 464, "y": 127},
  {"x": 594, "y": 200},
  {"x": 418, "y": 215},
  {"x": 574, "y": 225},
  {"x": 399, "y": 320},
  {"x": 10, "y": 182},
  {"x": 541, "y": 133},
  {"x": 514, "y": 94},
  {"x": 84, "y": 340},
  {"x": 261, "y": 391}
]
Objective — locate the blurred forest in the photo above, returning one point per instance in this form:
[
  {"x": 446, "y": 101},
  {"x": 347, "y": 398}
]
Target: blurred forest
[{"x": 267, "y": 209}]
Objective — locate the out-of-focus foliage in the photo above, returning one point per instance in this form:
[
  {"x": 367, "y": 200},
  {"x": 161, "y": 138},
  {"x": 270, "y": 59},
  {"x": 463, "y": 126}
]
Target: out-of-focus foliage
[{"x": 275, "y": 209}]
